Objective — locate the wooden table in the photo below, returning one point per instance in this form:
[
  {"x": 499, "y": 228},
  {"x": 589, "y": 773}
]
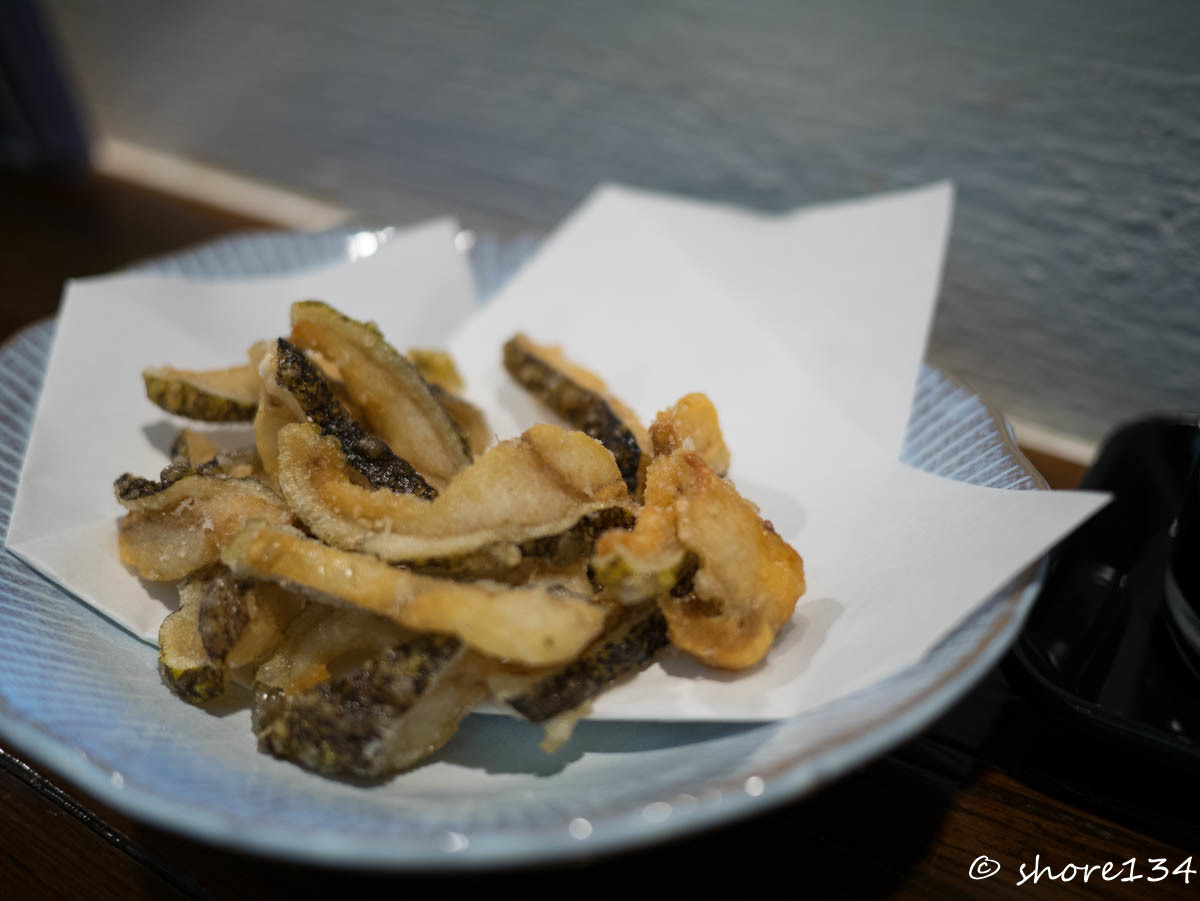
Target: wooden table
[{"x": 995, "y": 776}]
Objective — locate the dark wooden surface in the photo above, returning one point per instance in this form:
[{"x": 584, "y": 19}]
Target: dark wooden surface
[
  {"x": 58, "y": 227},
  {"x": 995, "y": 776}
]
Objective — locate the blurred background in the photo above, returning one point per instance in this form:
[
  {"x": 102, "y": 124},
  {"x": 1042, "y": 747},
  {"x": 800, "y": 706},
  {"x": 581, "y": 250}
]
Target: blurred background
[{"x": 1071, "y": 297}]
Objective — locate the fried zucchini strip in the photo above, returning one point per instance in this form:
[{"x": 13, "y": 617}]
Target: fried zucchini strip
[
  {"x": 224, "y": 610},
  {"x": 745, "y": 579},
  {"x": 274, "y": 412},
  {"x": 398, "y": 699},
  {"x": 437, "y": 367},
  {"x": 217, "y": 395},
  {"x": 468, "y": 417},
  {"x": 534, "y": 626},
  {"x": 194, "y": 452},
  {"x": 241, "y": 622},
  {"x": 173, "y": 529},
  {"x": 628, "y": 646},
  {"x": 396, "y": 401},
  {"x": 323, "y": 641},
  {"x": 191, "y": 448},
  {"x": 642, "y": 566},
  {"x": 582, "y": 399},
  {"x": 183, "y": 662},
  {"x": 692, "y": 419},
  {"x": 221, "y": 625},
  {"x": 532, "y": 488},
  {"x": 300, "y": 393}
]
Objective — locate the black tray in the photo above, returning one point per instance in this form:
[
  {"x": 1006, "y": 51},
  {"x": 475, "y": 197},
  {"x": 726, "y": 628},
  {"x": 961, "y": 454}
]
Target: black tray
[{"x": 1100, "y": 645}]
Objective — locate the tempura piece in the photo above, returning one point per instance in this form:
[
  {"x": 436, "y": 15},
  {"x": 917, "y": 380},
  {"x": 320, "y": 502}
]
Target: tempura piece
[
  {"x": 351, "y": 694},
  {"x": 438, "y": 368},
  {"x": 333, "y": 376},
  {"x": 582, "y": 399},
  {"x": 396, "y": 401},
  {"x": 221, "y": 625},
  {"x": 468, "y": 417},
  {"x": 241, "y": 621},
  {"x": 174, "y": 529},
  {"x": 746, "y": 578},
  {"x": 628, "y": 646},
  {"x": 297, "y": 392},
  {"x": 191, "y": 448},
  {"x": 186, "y": 667},
  {"x": 274, "y": 412},
  {"x": 216, "y": 395},
  {"x": 534, "y": 626},
  {"x": 533, "y": 488},
  {"x": 195, "y": 453},
  {"x": 692, "y": 419}
]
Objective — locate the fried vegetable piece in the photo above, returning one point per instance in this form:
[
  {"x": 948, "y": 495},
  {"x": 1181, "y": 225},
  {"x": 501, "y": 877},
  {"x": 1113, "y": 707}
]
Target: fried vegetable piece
[
  {"x": 529, "y": 489},
  {"x": 572, "y": 577},
  {"x": 191, "y": 448},
  {"x": 353, "y": 695},
  {"x": 274, "y": 412},
  {"x": 183, "y": 662},
  {"x": 220, "y": 626},
  {"x": 194, "y": 452},
  {"x": 224, "y": 610},
  {"x": 640, "y": 567},
  {"x": 468, "y": 417},
  {"x": 256, "y": 351},
  {"x": 746, "y": 578},
  {"x": 437, "y": 367},
  {"x": 396, "y": 401},
  {"x": 297, "y": 392},
  {"x": 173, "y": 529},
  {"x": 517, "y": 563},
  {"x": 217, "y": 395},
  {"x": 639, "y": 570},
  {"x": 535, "y": 626},
  {"x": 333, "y": 377},
  {"x": 692, "y": 419},
  {"x": 241, "y": 622},
  {"x": 628, "y": 646},
  {"x": 582, "y": 399}
]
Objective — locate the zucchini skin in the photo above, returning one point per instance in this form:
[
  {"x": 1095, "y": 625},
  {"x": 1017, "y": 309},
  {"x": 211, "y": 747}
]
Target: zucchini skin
[
  {"x": 366, "y": 453},
  {"x": 337, "y": 727},
  {"x": 585, "y": 409},
  {"x": 628, "y": 648},
  {"x": 194, "y": 685},
  {"x": 185, "y": 665},
  {"x": 224, "y": 614},
  {"x": 624, "y": 580},
  {"x": 438, "y": 369},
  {"x": 403, "y": 376},
  {"x": 508, "y": 562},
  {"x": 129, "y": 488},
  {"x": 467, "y": 417},
  {"x": 184, "y": 399}
]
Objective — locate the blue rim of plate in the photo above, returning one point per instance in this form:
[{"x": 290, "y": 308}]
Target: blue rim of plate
[{"x": 951, "y": 433}]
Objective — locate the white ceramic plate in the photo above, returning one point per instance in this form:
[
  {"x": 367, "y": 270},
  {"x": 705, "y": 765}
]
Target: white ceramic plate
[{"x": 83, "y": 696}]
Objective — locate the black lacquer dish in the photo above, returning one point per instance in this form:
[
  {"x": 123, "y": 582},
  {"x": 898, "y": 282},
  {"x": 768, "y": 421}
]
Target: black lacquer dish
[{"x": 1113, "y": 640}]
